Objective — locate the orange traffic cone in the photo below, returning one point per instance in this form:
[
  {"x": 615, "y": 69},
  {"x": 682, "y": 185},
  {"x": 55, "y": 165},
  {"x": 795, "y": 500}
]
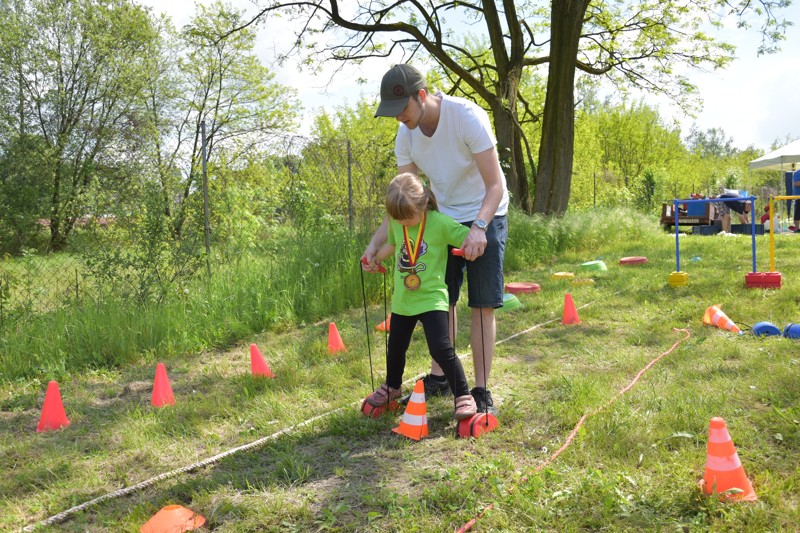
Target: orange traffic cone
[
  {"x": 414, "y": 423},
  {"x": 162, "y": 390},
  {"x": 715, "y": 317},
  {"x": 570, "y": 313},
  {"x": 173, "y": 519},
  {"x": 258, "y": 366},
  {"x": 53, "y": 414},
  {"x": 724, "y": 472},
  {"x": 335, "y": 343},
  {"x": 384, "y": 326}
]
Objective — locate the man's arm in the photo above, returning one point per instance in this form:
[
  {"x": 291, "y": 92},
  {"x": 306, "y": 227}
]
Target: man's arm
[{"x": 492, "y": 175}]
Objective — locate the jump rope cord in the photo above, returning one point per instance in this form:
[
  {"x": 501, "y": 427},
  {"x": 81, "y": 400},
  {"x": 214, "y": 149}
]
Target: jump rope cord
[
  {"x": 574, "y": 432},
  {"x": 366, "y": 323},
  {"x": 386, "y": 317}
]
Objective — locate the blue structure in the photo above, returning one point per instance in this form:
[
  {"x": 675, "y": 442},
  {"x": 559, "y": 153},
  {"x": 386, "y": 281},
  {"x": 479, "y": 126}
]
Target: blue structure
[{"x": 751, "y": 199}]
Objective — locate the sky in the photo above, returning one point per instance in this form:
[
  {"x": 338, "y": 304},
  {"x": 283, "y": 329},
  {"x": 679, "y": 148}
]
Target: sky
[{"x": 755, "y": 100}]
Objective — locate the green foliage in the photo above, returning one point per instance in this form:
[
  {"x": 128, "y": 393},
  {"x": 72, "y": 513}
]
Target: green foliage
[
  {"x": 25, "y": 187},
  {"x": 77, "y": 69},
  {"x": 153, "y": 265}
]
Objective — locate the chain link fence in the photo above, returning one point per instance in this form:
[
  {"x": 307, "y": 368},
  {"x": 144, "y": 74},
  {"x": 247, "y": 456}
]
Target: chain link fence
[{"x": 337, "y": 183}]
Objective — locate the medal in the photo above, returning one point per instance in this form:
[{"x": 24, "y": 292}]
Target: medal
[{"x": 412, "y": 282}]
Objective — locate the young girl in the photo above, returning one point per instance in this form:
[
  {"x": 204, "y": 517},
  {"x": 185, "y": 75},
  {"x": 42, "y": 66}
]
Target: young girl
[{"x": 420, "y": 293}]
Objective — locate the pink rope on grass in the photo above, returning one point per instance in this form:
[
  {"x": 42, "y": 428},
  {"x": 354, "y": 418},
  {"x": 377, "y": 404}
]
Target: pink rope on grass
[{"x": 466, "y": 527}]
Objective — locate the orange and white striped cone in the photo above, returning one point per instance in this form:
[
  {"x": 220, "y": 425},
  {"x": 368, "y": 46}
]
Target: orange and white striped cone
[
  {"x": 724, "y": 473},
  {"x": 414, "y": 423},
  {"x": 715, "y": 317}
]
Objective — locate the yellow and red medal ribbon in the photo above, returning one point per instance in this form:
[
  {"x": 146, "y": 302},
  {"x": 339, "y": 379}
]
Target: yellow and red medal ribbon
[{"x": 413, "y": 251}]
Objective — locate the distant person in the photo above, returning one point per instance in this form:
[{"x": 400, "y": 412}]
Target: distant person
[
  {"x": 418, "y": 238},
  {"x": 796, "y": 192},
  {"x": 450, "y": 140},
  {"x": 788, "y": 178},
  {"x": 736, "y": 203}
]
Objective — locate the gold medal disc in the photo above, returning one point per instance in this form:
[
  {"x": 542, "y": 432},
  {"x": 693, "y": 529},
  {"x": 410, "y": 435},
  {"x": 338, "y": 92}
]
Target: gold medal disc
[{"x": 412, "y": 282}]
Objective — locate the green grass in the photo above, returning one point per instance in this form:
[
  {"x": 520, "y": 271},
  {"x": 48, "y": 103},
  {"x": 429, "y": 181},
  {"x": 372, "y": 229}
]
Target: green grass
[{"x": 634, "y": 465}]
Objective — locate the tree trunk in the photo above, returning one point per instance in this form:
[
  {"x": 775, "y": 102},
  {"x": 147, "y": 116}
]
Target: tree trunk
[
  {"x": 558, "y": 124},
  {"x": 509, "y": 140},
  {"x": 512, "y": 157}
]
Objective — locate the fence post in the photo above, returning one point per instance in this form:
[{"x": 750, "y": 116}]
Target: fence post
[
  {"x": 594, "y": 192},
  {"x": 77, "y": 295},
  {"x": 350, "y": 183},
  {"x": 205, "y": 200}
]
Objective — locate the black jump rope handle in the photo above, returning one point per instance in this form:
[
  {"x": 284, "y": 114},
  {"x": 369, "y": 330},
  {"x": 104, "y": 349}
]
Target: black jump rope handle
[{"x": 381, "y": 268}]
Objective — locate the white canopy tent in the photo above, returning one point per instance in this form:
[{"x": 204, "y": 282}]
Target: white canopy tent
[
  {"x": 780, "y": 159},
  {"x": 786, "y": 159}
]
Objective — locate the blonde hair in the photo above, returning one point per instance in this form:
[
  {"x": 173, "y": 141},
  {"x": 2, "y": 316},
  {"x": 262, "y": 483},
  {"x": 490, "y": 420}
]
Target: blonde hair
[{"x": 408, "y": 197}]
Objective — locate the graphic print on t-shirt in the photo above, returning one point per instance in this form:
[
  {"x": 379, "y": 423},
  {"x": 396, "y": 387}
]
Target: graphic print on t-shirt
[{"x": 404, "y": 263}]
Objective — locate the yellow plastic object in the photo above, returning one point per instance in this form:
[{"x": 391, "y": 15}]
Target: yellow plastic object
[
  {"x": 583, "y": 281},
  {"x": 563, "y": 275},
  {"x": 679, "y": 279}
]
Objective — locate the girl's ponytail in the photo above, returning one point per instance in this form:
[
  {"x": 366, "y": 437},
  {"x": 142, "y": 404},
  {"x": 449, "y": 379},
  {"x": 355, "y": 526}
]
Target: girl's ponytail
[{"x": 433, "y": 205}]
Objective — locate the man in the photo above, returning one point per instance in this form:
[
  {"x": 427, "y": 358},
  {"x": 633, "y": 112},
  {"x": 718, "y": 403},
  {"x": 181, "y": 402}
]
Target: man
[
  {"x": 451, "y": 141},
  {"x": 735, "y": 204}
]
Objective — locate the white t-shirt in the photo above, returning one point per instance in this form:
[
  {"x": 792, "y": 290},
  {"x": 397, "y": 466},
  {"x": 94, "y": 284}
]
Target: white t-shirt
[{"x": 446, "y": 157}]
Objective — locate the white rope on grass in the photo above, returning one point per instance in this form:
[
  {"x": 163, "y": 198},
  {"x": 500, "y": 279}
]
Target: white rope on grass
[{"x": 62, "y": 516}]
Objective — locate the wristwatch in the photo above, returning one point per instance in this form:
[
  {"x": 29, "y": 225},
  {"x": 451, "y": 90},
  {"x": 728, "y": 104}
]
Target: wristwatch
[{"x": 481, "y": 224}]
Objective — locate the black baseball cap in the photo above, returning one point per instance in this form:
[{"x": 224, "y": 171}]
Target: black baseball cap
[{"x": 397, "y": 86}]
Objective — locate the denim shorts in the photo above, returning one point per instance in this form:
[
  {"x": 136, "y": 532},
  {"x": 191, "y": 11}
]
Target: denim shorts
[{"x": 485, "y": 282}]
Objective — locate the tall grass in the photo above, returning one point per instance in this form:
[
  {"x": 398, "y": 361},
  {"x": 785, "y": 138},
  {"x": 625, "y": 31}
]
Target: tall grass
[{"x": 291, "y": 280}]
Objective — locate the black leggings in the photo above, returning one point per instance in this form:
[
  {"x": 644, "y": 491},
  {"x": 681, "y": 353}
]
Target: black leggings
[{"x": 434, "y": 323}]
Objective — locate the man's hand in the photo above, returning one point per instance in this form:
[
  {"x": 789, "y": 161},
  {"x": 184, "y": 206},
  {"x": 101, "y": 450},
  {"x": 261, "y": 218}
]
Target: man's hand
[{"x": 475, "y": 244}]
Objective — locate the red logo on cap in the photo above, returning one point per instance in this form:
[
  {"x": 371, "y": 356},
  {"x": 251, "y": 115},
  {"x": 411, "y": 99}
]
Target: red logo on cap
[{"x": 398, "y": 90}]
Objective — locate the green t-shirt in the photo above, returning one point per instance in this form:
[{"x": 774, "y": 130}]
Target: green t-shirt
[{"x": 440, "y": 231}]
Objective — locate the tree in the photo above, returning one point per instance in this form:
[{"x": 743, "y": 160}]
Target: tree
[
  {"x": 636, "y": 43},
  {"x": 25, "y": 172},
  {"x": 78, "y": 70},
  {"x": 202, "y": 78}
]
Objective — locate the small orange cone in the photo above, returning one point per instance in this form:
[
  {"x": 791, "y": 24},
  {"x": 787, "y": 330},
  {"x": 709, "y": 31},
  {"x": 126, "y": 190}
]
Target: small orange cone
[
  {"x": 414, "y": 423},
  {"x": 173, "y": 519},
  {"x": 53, "y": 414},
  {"x": 570, "y": 313},
  {"x": 335, "y": 343},
  {"x": 724, "y": 471},
  {"x": 162, "y": 390},
  {"x": 384, "y": 326},
  {"x": 258, "y": 366},
  {"x": 715, "y": 317}
]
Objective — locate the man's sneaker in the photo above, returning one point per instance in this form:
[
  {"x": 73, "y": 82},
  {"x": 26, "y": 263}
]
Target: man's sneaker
[
  {"x": 483, "y": 400},
  {"x": 433, "y": 387}
]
